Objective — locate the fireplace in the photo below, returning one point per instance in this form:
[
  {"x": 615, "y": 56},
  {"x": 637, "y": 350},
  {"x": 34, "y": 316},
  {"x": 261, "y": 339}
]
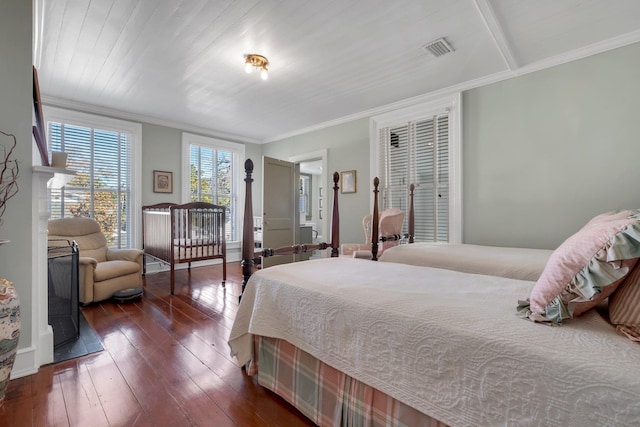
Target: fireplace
[{"x": 64, "y": 310}]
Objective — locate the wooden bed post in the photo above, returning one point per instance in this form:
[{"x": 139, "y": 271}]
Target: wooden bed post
[
  {"x": 144, "y": 258},
  {"x": 248, "y": 247},
  {"x": 374, "y": 221},
  {"x": 335, "y": 218},
  {"x": 248, "y": 250},
  {"x": 412, "y": 223}
]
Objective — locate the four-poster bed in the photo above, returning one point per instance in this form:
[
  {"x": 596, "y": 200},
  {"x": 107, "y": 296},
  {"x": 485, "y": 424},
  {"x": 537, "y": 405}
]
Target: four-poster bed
[
  {"x": 513, "y": 263},
  {"x": 249, "y": 255},
  {"x": 347, "y": 340}
]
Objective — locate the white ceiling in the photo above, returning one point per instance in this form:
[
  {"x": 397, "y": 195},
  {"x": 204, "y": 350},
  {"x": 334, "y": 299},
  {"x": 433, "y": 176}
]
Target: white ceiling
[{"x": 180, "y": 62}]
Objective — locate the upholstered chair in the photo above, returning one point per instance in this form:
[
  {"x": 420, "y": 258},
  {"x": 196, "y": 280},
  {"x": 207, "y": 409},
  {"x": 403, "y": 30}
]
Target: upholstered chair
[
  {"x": 103, "y": 270},
  {"x": 347, "y": 249},
  {"x": 390, "y": 222}
]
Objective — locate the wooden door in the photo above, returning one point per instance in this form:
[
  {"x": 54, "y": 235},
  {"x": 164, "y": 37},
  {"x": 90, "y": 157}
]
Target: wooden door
[{"x": 279, "y": 208}]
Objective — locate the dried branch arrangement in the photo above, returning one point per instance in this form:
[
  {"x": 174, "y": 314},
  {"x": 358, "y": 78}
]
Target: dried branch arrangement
[{"x": 8, "y": 173}]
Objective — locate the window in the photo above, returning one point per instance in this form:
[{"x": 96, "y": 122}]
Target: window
[
  {"x": 213, "y": 173},
  {"x": 104, "y": 154},
  {"x": 420, "y": 145}
]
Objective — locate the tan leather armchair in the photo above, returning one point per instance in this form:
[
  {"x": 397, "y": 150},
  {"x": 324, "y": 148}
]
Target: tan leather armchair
[
  {"x": 103, "y": 270},
  {"x": 390, "y": 222}
]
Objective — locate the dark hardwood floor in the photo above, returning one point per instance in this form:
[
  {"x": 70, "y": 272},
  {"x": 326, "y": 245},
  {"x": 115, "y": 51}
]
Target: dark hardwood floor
[{"x": 165, "y": 362}]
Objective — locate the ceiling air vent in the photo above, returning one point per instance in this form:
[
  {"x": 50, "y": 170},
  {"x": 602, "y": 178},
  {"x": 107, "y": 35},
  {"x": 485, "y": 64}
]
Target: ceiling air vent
[{"x": 438, "y": 47}]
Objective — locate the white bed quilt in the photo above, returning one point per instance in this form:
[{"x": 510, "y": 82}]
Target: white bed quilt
[
  {"x": 513, "y": 263},
  {"x": 447, "y": 343}
]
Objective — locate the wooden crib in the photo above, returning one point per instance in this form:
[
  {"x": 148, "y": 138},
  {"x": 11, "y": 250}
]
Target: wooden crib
[{"x": 184, "y": 233}]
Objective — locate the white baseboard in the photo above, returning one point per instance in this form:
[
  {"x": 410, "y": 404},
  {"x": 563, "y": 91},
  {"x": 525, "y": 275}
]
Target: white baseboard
[
  {"x": 25, "y": 363},
  {"x": 28, "y": 360}
]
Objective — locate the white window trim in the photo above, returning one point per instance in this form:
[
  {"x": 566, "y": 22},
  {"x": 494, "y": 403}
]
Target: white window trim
[
  {"x": 452, "y": 103},
  {"x": 238, "y": 167},
  {"x": 60, "y": 115}
]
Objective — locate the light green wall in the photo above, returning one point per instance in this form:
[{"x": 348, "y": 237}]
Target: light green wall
[
  {"x": 16, "y": 107},
  {"x": 348, "y": 149},
  {"x": 542, "y": 153},
  {"x": 546, "y": 151},
  {"x": 161, "y": 150}
]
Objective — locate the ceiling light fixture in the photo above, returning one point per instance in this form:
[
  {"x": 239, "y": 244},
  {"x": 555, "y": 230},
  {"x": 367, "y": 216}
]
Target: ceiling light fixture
[{"x": 256, "y": 61}]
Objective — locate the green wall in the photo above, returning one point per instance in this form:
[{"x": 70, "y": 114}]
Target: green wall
[
  {"x": 162, "y": 150},
  {"x": 542, "y": 153},
  {"x": 545, "y": 152},
  {"x": 348, "y": 149},
  {"x": 16, "y": 109}
]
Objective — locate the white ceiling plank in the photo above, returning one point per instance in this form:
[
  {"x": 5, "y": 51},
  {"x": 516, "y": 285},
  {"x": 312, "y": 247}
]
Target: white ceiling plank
[
  {"x": 181, "y": 61},
  {"x": 107, "y": 34},
  {"x": 69, "y": 34}
]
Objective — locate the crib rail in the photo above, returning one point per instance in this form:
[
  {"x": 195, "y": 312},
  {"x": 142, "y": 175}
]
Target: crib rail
[{"x": 184, "y": 233}]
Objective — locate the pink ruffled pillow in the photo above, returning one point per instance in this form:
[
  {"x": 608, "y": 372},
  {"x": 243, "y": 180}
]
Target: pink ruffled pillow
[
  {"x": 609, "y": 216},
  {"x": 586, "y": 268}
]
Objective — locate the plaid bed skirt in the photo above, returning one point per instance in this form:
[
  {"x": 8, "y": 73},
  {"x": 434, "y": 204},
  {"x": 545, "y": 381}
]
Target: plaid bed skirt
[{"x": 325, "y": 395}]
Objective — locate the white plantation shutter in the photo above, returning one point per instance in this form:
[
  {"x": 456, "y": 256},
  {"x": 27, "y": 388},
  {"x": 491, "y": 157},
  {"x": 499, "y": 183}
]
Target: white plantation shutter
[
  {"x": 417, "y": 153},
  {"x": 442, "y": 182},
  {"x": 102, "y": 186},
  {"x": 212, "y": 174}
]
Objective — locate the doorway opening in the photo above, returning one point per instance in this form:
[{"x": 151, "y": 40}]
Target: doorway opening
[{"x": 314, "y": 194}]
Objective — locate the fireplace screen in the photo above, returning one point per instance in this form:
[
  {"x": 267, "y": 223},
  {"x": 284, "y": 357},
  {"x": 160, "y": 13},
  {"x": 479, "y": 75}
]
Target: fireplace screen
[{"x": 64, "y": 310}]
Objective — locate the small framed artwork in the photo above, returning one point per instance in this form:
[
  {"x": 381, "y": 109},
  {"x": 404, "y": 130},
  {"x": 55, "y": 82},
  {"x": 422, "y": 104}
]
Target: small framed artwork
[
  {"x": 320, "y": 203},
  {"x": 348, "y": 182},
  {"x": 162, "y": 182},
  {"x": 319, "y": 191}
]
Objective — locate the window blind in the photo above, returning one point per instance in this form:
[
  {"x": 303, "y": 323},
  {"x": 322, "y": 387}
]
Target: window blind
[
  {"x": 212, "y": 181},
  {"x": 101, "y": 188},
  {"x": 418, "y": 152}
]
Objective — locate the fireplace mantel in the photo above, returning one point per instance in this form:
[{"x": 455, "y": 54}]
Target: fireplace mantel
[
  {"x": 60, "y": 176},
  {"x": 29, "y": 360}
]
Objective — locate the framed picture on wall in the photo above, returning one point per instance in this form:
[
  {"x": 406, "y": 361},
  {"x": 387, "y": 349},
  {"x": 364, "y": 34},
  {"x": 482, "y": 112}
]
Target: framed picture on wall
[
  {"x": 162, "y": 182},
  {"x": 348, "y": 182}
]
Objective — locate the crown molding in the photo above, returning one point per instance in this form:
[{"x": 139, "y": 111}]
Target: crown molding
[
  {"x": 593, "y": 49},
  {"x": 596, "y": 48},
  {"x": 88, "y": 108}
]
